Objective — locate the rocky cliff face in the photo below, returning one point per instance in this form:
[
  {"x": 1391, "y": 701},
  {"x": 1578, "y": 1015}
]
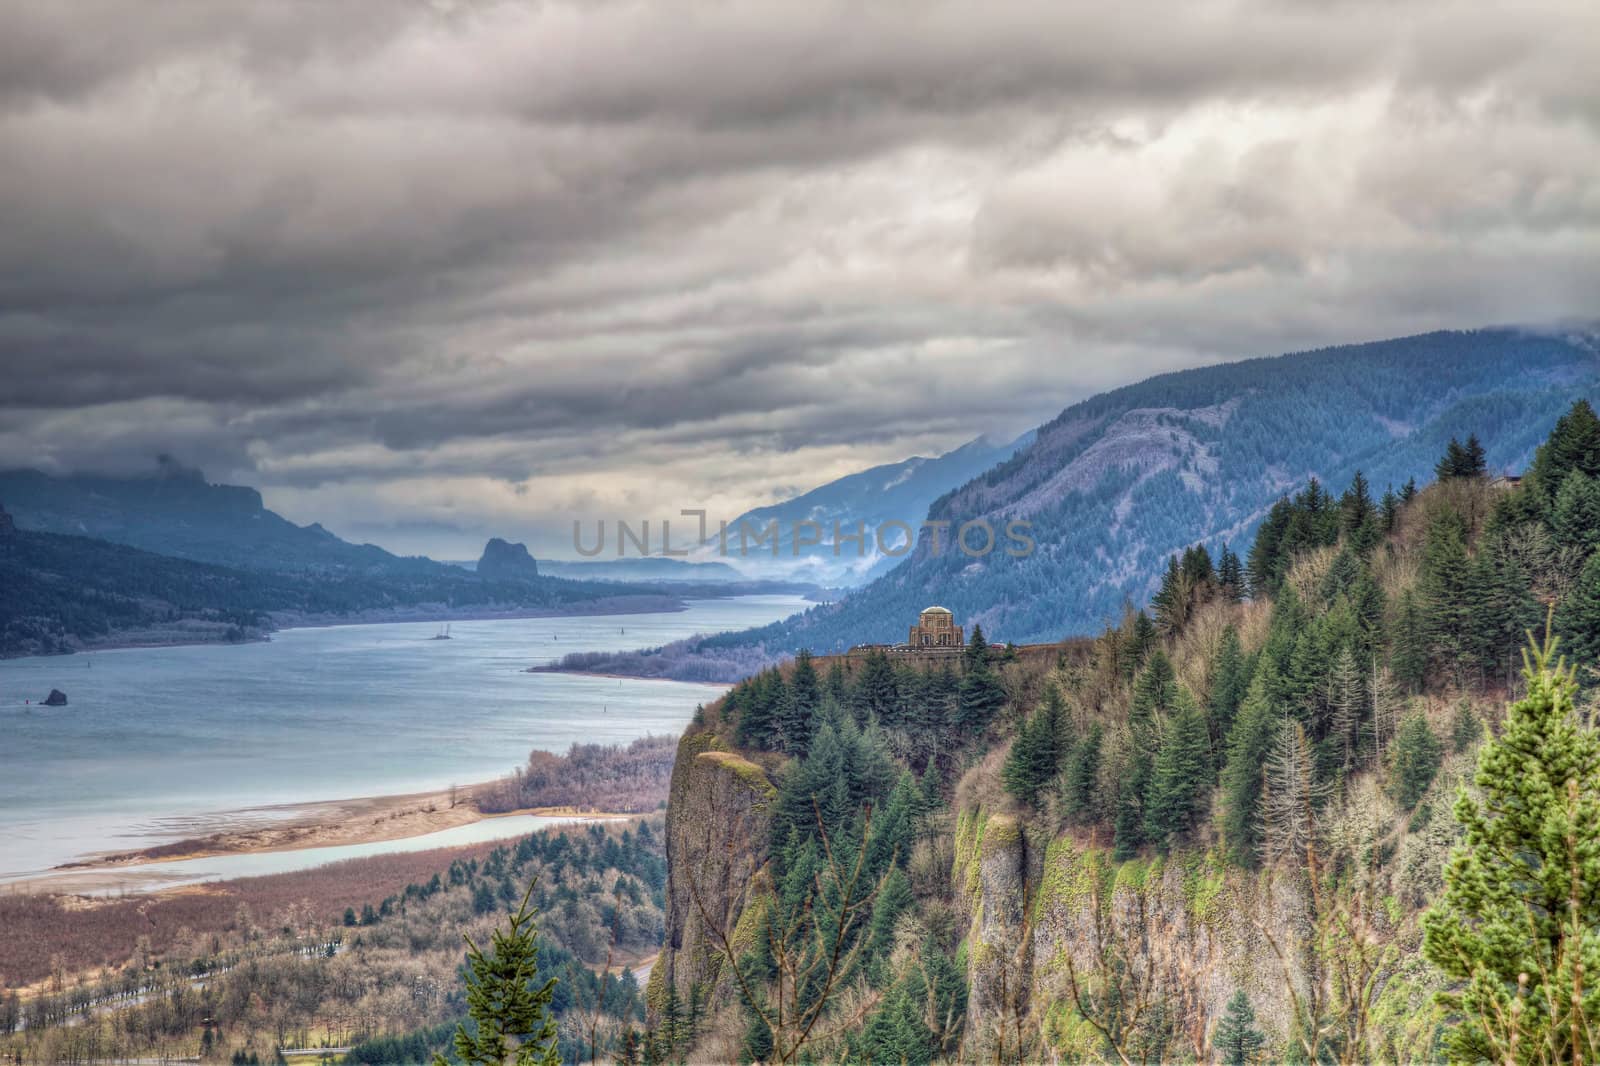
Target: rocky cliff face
[
  {"x": 1046, "y": 916},
  {"x": 717, "y": 829},
  {"x": 504, "y": 561}
]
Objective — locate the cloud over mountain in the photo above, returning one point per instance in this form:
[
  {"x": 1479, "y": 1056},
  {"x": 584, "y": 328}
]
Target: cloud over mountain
[{"x": 476, "y": 263}]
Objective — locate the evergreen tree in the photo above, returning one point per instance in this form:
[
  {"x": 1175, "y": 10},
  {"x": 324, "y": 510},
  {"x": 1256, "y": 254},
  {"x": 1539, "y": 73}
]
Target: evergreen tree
[
  {"x": 1347, "y": 698},
  {"x": 1577, "y": 618},
  {"x": 1416, "y": 756},
  {"x": 1174, "y": 599},
  {"x": 1135, "y": 786},
  {"x": 1410, "y": 654},
  {"x": 877, "y": 692},
  {"x": 1574, "y": 444},
  {"x": 1038, "y": 751},
  {"x": 797, "y": 705},
  {"x": 1144, "y": 639},
  {"x": 1230, "y": 679},
  {"x": 1249, "y": 743},
  {"x": 1266, "y": 555},
  {"x": 897, "y": 1032},
  {"x": 1358, "y": 516},
  {"x": 1445, "y": 592},
  {"x": 508, "y": 1007},
  {"x": 1180, "y": 779},
  {"x": 1518, "y": 927},
  {"x": 980, "y": 693},
  {"x": 1083, "y": 776},
  {"x": 1576, "y": 519},
  {"x": 1389, "y": 511},
  {"x": 755, "y": 700},
  {"x": 1154, "y": 693},
  {"x": 1408, "y": 491},
  {"x": 1237, "y": 1039},
  {"x": 1461, "y": 460},
  {"x": 1230, "y": 575}
]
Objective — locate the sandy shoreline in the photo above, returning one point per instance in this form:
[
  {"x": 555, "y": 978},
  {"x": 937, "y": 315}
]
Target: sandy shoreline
[{"x": 326, "y": 823}]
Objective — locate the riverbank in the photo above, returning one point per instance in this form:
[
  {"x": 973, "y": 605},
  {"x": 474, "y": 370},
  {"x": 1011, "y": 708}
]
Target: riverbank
[{"x": 328, "y": 823}]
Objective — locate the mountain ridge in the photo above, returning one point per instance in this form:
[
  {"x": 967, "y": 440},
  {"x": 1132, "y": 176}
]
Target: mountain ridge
[{"x": 1117, "y": 483}]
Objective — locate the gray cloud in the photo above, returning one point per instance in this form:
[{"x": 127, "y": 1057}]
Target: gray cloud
[{"x": 455, "y": 267}]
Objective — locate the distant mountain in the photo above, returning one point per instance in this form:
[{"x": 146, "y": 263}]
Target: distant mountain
[
  {"x": 503, "y": 561},
  {"x": 63, "y": 593},
  {"x": 178, "y": 513},
  {"x": 1117, "y": 483},
  {"x": 893, "y": 492},
  {"x": 651, "y": 568}
]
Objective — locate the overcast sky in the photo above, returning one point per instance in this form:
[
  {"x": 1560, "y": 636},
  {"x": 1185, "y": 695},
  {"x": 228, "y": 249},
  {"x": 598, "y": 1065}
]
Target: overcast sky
[{"x": 430, "y": 271}]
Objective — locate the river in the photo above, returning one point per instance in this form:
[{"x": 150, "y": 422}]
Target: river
[{"x": 159, "y": 744}]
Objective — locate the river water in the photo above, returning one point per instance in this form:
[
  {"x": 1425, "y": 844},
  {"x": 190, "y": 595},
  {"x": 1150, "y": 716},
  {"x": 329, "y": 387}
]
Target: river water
[{"x": 162, "y": 743}]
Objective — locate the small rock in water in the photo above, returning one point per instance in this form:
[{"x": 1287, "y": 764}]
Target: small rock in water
[{"x": 57, "y": 698}]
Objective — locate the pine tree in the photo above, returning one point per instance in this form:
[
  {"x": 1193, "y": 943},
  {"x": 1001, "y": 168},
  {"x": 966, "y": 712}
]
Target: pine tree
[
  {"x": 1174, "y": 600},
  {"x": 797, "y": 705},
  {"x": 1476, "y": 461},
  {"x": 1576, "y": 519},
  {"x": 1410, "y": 656},
  {"x": 1574, "y": 444},
  {"x": 1249, "y": 743},
  {"x": 1128, "y": 832},
  {"x": 1230, "y": 680},
  {"x": 1462, "y": 460},
  {"x": 1415, "y": 760},
  {"x": 1143, "y": 640},
  {"x": 1577, "y": 618},
  {"x": 1230, "y": 575},
  {"x": 980, "y": 693},
  {"x": 1083, "y": 776},
  {"x": 755, "y": 701},
  {"x": 877, "y": 692},
  {"x": 1518, "y": 926},
  {"x": 1446, "y": 595},
  {"x": 1237, "y": 1040},
  {"x": 1154, "y": 693},
  {"x": 1181, "y": 778},
  {"x": 1038, "y": 751},
  {"x": 1389, "y": 510},
  {"x": 1358, "y": 516},
  {"x": 508, "y": 1007}
]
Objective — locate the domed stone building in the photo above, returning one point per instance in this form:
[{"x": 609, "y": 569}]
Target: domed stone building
[{"x": 936, "y": 628}]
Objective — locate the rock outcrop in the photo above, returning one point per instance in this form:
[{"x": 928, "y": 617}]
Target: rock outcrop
[
  {"x": 1185, "y": 931},
  {"x": 57, "y": 698},
  {"x": 504, "y": 561},
  {"x": 7, "y": 526},
  {"x": 718, "y": 823}
]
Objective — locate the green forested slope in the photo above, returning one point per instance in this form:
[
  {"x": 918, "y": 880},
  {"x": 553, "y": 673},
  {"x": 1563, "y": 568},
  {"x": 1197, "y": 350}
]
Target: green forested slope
[{"x": 1218, "y": 825}]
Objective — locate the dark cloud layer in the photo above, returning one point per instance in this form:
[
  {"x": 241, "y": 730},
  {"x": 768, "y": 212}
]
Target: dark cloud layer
[{"x": 458, "y": 267}]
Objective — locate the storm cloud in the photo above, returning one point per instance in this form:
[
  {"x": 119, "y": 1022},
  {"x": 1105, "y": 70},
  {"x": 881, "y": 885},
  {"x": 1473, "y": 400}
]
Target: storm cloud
[{"x": 428, "y": 271}]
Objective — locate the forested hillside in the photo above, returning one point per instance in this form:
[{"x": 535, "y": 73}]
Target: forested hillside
[
  {"x": 1214, "y": 833},
  {"x": 177, "y": 512},
  {"x": 1116, "y": 484},
  {"x": 63, "y": 593}
]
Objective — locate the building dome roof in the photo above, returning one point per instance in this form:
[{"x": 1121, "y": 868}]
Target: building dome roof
[{"x": 935, "y": 610}]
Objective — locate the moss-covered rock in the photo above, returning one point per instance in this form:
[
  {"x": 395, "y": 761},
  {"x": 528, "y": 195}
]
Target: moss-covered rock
[
  {"x": 1197, "y": 927},
  {"x": 717, "y": 832}
]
